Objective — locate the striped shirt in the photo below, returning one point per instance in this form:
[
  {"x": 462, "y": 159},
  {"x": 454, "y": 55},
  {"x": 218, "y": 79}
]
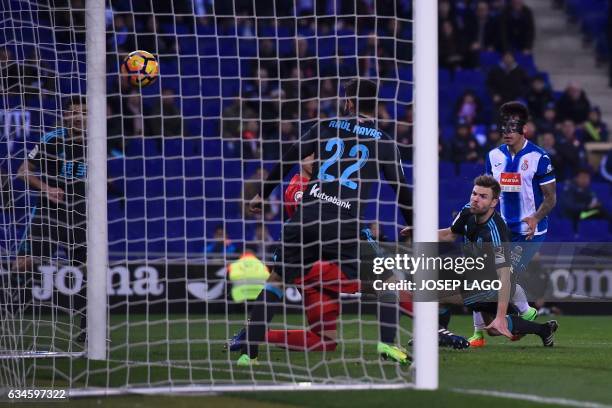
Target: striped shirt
[{"x": 521, "y": 177}]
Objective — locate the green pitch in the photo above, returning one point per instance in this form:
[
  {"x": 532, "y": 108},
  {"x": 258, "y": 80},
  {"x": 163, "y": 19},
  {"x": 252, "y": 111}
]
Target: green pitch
[{"x": 577, "y": 368}]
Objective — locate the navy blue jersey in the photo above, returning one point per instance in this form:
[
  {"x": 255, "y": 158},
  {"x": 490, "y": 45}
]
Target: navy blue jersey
[
  {"x": 488, "y": 239},
  {"x": 350, "y": 157},
  {"x": 61, "y": 163}
]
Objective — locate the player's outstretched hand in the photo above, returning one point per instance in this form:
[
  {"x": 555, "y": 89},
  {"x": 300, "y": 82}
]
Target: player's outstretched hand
[
  {"x": 406, "y": 232},
  {"x": 55, "y": 194},
  {"x": 532, "y": 223},
  {"x": 256, "y": 204},
  {"x": 501, "y": 325}
]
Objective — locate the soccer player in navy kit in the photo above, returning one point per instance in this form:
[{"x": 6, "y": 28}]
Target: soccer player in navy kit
[
  {"x": 57, "y": 167},
  {"x": 486, "y": 235},
  {"x": 350, "y": 156},
  {"x": 528, "y": 195}
]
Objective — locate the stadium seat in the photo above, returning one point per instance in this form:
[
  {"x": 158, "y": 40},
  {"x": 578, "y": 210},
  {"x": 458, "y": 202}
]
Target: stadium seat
[
  {"x": 593, "y": 231},
  {"x": 211, "y": 87},
  {"x": 195, "y": 208},
  {"x": 209, "y": 67},
  {"x": 489, "y": 59},
  {"x": 228, "y": 46},
  {"x": 155, "y": 188},
  {"x": 247, "y": 47},
  {"x": 469, "y": 171}
]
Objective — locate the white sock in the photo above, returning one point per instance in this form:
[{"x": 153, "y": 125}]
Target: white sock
[
  {"x": 479, "y": 323},
  {"x": 519, "y": 299}
]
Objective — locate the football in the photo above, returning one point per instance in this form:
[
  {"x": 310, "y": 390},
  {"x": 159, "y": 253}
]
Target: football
[{"x": 140, "y": 67}]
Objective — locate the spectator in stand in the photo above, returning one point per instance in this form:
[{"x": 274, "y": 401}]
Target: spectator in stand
[
  {"x": 518, "y": 27},
  {"x": 133, "y": 123},
  {"x": 9, "y": 73},
  {"x": 464, "y": 147},
  {"x": 446, "y": 12},
  {"x": 385, "y": 121},
  {"x": 579, "y": 202},
  {"x": 573, "y": 104},
  {"x": 571, "y": 151},
  {"x": 404, "y": 135},
  {"x": 548, "y": 122},
  {"x": 483, "y": 33},
  {"x": 114, "y": 131},
  {"x": 289, "y": 135},
  {"x": 538, "y": 97},
  {"x": 252, "y": 186},
  {"x": 261, "y": 246},
  {"x": 251, "y": 141},
  {"x": 594, "y": 130},
  {"x": 493, "y": 140},
  {"x": 30, "y": 79},
  {"x": 124, "y": 33},
  {"x": 468, "y": 109},
  {"x": 328, "y": 97},
  {"x": 450, "y": 47},
  {"x": 154, "y": 39},
  {"x": 548, "y": 142},
  {"x": 506, "y": 82},
  {"x": 220, "y": 245},
  {"x": 310, "y": 110},
  {"x": 165, "y": 117}
]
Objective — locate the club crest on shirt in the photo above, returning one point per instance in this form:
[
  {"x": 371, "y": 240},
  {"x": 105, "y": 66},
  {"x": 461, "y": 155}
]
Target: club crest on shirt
[
  {"x": 297, "y": 197},
  {"x": 525, "y": 165}
]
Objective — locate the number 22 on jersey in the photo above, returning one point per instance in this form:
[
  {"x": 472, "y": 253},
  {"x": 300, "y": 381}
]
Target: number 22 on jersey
[{"x": 344, "y": 178}]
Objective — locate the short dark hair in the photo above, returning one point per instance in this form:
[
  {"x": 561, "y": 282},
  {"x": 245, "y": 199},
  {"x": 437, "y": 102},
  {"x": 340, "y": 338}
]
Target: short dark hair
[
  {"x": 363, "y": 93},
  {"x": 488, "y": 181},
  {"x": 74, "y": 99},
  {"x": 514, "y": 108}
]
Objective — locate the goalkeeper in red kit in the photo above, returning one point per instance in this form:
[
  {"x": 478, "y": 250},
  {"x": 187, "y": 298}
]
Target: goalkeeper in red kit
[{"x": 322, "y": 287}]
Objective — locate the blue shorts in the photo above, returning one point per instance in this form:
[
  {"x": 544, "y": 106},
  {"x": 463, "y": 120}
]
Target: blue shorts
[{"x": 523, "y": 250}]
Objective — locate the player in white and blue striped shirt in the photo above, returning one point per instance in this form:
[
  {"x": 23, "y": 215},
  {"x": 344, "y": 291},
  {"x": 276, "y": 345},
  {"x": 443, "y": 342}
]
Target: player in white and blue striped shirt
[{"x": 527, "y": 179}]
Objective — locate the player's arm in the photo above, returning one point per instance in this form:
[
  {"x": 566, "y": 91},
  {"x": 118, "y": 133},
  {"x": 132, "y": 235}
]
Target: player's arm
[
  {"x": 391, "y": 166},
  {"x": 456, "y": 229},
  {"x": 27, "y": 173},
  {"x": 545, "y": 177},
  {"x": 298, "y": 151},
  {"x": 549, "y": 193},
  {"x": 447, "y": 235}
]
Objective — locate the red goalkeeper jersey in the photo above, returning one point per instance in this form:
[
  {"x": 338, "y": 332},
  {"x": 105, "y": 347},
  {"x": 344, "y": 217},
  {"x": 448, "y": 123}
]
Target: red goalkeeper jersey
[
  {"x": 326, "y": 274},
  {"x": 294, "y": 193}
]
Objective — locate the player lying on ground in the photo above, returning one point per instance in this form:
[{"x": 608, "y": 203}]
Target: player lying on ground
[
  {"x": 321, "y": 291},
  {"x": 528, "y": 195},
  {"x": 350, "y": 156},
  {"x": 486, "y": 235}
]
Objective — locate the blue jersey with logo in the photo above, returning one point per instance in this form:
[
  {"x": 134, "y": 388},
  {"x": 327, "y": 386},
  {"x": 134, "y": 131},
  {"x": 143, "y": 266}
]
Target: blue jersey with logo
[
  {"x": 61, "y": 163},
  {"x": 521, "y": 177}
]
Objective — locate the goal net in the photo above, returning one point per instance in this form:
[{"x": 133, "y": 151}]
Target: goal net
[{"x": 239, "y": 83}]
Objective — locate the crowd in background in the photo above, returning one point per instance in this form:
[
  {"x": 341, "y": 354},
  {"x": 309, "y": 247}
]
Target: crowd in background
[{"x": 288, "y": 89}]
